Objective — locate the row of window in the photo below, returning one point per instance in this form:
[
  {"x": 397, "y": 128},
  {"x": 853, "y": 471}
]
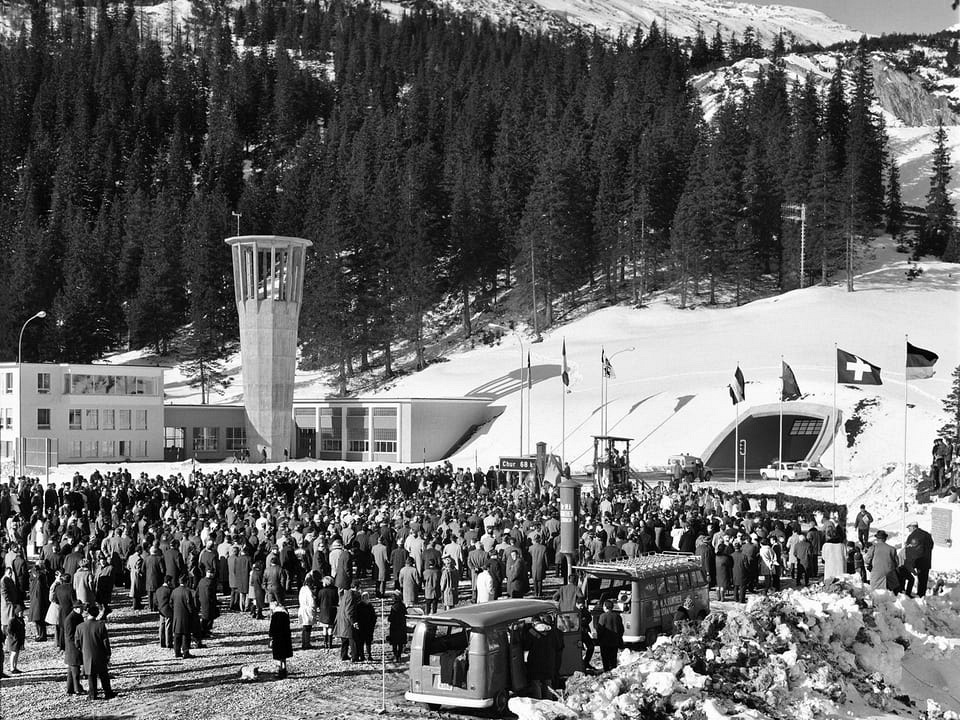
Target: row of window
[
  {"x": 83, "y": 384},
  {"x": 207, "y": 438},
  {"x": 97, "y": 419},
  {"x": 108, "y": 449}
]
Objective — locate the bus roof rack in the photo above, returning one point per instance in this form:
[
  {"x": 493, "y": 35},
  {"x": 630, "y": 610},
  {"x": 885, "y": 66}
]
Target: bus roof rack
[{"x": 641, "y": 566}]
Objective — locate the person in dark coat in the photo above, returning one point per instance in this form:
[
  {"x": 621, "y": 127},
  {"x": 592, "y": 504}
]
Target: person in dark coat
[
  {"x": 431, "y": 586},
  {"x": 259, "y": 593},
  {"x": 366, "y": 625},
  {"x": 739, "y": 574},
  {"x": 917, "y": 554},
  {"x": 280, "y": 641},
  {"x": 398, "y": 627},
  {"x": 72, "y": 657},
  {"x": 40, "y": 598},
  {"x": 241, "y": 567},
  {"x": 153, "y": 570},
  {"x": 165, "y": 608},
  {"x": 609, "y": 635},
  {"x": 63, "y": 594},
  {"x": 707, "y": 559},
  {"x": 724, "y": 571},
  {"x": 518, "y": 578},
  {"x": 543, "y": 661},
  {"x": 345, "y": 627},
  {"x": 16, "y": 637},
  {"x": 538, "y": 565},
  {"x": 328, "y": 598},
  {"x": 207, "y": 598},
  {"x": 275, "y": 581},
  {"x": 94, "y": 642},
  {"x": 184, "y": 609}
]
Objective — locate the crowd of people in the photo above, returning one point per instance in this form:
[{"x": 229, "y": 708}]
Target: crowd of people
[{"x": 242, "y": 539}]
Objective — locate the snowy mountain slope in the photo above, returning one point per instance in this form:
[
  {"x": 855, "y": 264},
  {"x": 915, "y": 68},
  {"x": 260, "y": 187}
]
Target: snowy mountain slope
[
  {"x": 911, "y": 105},
  {"x": 680, "y": 18}
]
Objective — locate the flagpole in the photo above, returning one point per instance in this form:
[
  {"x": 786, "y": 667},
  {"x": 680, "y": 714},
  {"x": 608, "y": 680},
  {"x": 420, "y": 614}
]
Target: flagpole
[
  {"x": 736, "y": 442},
  {"x": 529, "y": 401},
  {"x": 903, "y": 483},
  {"x": 780, "y": 436},
  {"x": 563, "y": 407},
  {"x": 835, "y": 469},
  {"x": 603, "y": 393}
]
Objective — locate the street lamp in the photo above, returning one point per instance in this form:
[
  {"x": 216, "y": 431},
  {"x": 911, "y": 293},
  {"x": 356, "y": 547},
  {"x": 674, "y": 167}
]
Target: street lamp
[
  {"x": 604, "y": 388},
  {"x": 18, "y": 464},
  {"x": 495, "y": 326}
]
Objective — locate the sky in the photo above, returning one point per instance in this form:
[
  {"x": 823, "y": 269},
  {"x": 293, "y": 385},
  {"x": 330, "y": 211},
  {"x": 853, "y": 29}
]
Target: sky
[{"x": 881, "y": 16}]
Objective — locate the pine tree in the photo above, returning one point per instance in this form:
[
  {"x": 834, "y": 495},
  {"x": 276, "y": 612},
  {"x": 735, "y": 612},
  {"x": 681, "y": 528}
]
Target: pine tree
[
  {"x": 938, "y": 227},
  {"x": 896, "y": 216},
  {"x": 951, "y": 406},
  {"x": 202, "y": 364}
]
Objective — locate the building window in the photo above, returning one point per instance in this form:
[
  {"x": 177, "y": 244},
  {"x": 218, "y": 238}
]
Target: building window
[
  {"x": 385, "y": 430},
  {"x": 173, "y": 437},
  {"x": 75, "y": 449},
  {"x": 810, "y": 426},
  {"x": 43, "y": 382},
  {"x": 125, "y": 449},
  {"x": 108, "y": 419},
  {"x": 8, "y": 383},
  {"x": 140, "y": 448},
  {"x": 6, "y": 418},
  {"x": 76, "y": 421},
  {"x": 236, "y": 438},
  {"x": 123, "y": 420},
  {"x": 331, "y": 429},
  {"x": 141, "y": 416},
  {"x": 91, "y": 448},
  {"x": 91, "y": 420},
  {"x": 43, "y": 418},
  {"x": 108, "y": 448},
  {"x": 82, "y": 384},
  {"x": 357, "y": 436},
  {"x": 205, "y": 438}
]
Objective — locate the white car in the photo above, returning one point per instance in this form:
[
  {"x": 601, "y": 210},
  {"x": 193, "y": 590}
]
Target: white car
[
  {"x": 816, "y": 470},
  {"x": 786, "y": 471}
]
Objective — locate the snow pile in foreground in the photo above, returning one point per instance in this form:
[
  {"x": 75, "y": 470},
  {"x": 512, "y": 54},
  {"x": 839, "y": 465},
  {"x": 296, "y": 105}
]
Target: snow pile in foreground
[{"x": 796, "y": 654}]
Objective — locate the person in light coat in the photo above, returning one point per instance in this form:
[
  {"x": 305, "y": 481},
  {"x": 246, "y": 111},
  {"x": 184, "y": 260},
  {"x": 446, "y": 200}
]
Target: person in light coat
[
  {"x": 307, "y": 613},
  {"x": 882, "y": 561},
  {"x": 485, "y": 585},
  {"x": 834, "y": 558}
]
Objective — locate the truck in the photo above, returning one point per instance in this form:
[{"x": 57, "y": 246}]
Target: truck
[
  {"x": 786, "y": 471},
  {"x": 691, "y": 467}
]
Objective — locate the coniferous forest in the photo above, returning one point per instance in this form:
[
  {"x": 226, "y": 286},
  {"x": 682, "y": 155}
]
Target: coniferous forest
[{"x": 428, "y": 158}]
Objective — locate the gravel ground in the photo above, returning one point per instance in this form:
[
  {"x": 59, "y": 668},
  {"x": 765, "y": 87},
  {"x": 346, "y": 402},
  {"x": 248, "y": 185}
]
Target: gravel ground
[{"x": 151, "y": 683}]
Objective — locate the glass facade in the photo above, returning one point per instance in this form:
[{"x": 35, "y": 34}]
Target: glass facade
[
  {"x": 358, "y": 436},
  {"x": 331, "y": 432},
  {"x": 84, "y": 384},
  {"x": 236, "y": 438},
  {"x": 205, "y": 438},
  {"x": 384, "y": 431}
]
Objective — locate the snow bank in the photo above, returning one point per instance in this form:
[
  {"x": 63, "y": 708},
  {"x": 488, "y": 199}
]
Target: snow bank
[{"x": 800, "y": 654}]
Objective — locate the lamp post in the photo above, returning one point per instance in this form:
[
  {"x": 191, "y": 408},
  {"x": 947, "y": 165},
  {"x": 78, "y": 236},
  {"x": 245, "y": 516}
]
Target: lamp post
[
  {"x": 604, "y": 391},
  {"x": 495, "y": 326},
  {"x": 18, "y": 463}
]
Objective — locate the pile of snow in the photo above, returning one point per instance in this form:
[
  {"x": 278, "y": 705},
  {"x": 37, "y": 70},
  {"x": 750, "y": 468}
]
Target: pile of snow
[{"x": 801, "y": 654}]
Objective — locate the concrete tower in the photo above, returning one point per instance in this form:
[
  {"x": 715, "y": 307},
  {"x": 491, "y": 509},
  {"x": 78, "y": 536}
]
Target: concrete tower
[{"x": 268, "y": 284}]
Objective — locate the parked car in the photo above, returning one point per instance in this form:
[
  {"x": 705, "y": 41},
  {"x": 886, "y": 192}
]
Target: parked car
[
  {"x": 786, "y": 471},
  {"x": 816, "y": 470}
]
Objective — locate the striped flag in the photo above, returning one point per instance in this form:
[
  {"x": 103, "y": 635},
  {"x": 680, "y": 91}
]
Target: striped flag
[
  {"x": 607, "y": 366},
  {"x": 738, "y": 390},
  {"x": 920, "y": 362},
  {"x": 564, "y": 375}
]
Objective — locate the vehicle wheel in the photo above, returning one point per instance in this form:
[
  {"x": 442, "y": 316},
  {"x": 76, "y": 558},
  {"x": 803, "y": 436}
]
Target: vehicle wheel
[
  {"x": 763, "y": 476},
  {"x": 785, "y": 478},
  {"x": 431, "y": 706},
  {"x": 500, "y": 703}
]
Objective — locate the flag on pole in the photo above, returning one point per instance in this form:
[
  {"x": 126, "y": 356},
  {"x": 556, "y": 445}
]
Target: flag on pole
[
  {"x": 790, "y": 391},
  {"x": 564, "y": 375},
  {"x": 738, "y": 390},
  {"x": 920, "y": 362},
  {"x": 853, "y": 370},
  {"x": 608, "y": 368},
  {"x": 529, "y": 376}
]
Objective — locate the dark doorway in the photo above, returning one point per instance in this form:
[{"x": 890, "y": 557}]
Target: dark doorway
[
  {"x": 306, "y": 443},
  {"x": 800, "y": 432}
]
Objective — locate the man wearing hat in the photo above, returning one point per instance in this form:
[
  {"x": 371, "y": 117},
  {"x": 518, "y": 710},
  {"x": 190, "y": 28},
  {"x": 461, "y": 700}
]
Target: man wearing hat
[
  {"x": 72, "y": 657},
  {"x": 917, "y": 556},
  {"x": 94, "y": 643},
  {"x": 882, "y": 562}
]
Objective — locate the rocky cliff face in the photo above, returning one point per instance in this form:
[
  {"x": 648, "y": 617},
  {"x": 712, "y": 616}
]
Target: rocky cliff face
[{"x": 908, "y": 99}]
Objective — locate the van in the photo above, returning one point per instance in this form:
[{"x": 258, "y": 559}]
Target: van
[
  {"x": 646, "y": 591},
  {"x": 474, "y": 656}
]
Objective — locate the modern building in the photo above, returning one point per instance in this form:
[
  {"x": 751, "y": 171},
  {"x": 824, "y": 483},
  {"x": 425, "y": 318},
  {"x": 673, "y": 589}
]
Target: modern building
[{"x": 79, "y": 413}]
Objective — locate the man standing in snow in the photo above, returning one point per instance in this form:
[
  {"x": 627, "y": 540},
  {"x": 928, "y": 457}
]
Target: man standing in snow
[
  {"x": 609, "y": 635},
  {"x": 862, "y": 524},
  {"x": 882, "y": 562},
  {"x": 918, "y": 552}
]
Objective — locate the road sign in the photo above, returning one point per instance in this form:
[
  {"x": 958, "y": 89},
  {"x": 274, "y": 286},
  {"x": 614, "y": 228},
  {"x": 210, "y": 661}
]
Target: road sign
[{"x": 521, "y": 464}]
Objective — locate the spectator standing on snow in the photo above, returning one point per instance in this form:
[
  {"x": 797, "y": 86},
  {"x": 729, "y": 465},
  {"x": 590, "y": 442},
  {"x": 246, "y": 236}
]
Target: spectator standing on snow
[
  {"x": 834, "y": 558},
  {"x": 862, "y": 524},
  {"x": 609, "y": 635},
  {"x": 882, "y": 562},
  {"x": 918, "y": 553}
]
